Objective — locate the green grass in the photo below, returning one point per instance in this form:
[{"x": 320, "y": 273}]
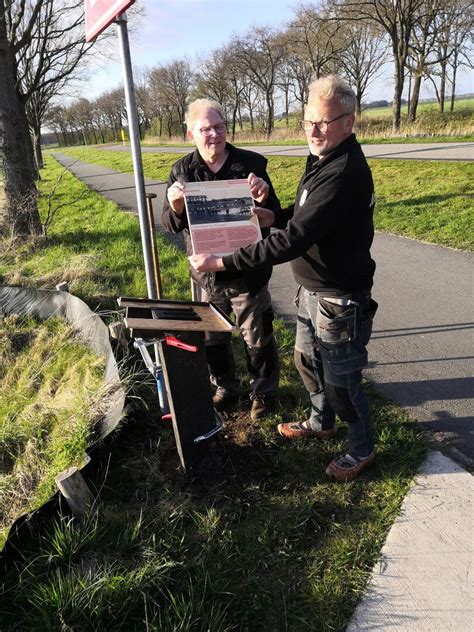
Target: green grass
[
  {"x": 459, "y": 104},
  {"x": 426, "y": 200},
  {"x": 267, "y": 543},
  {"x": 49, "y": 385},
  {"x": 297, "y": 141},
  {"x": 87, "y": 247},
  {"x": 261, "y": 540},
  {"x": 415, "y": 140}
]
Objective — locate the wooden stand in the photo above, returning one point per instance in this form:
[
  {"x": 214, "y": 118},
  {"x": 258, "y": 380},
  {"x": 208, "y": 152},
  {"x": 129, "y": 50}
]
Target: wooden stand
[{"x": 178, "y": 327}]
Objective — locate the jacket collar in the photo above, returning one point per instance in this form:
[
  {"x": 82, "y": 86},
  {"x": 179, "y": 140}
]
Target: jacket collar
[
  {"x": 343, "y": 148},
  {"x": 198, "y": 161}
]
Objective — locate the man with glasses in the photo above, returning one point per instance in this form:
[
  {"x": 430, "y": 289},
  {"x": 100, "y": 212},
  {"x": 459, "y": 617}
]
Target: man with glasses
[
  {"x": 243, "y": 293},
  {"x": 326, "y": 235}
]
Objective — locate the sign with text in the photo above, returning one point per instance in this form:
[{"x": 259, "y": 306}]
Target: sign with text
[
  {"x": 101, "y": 13},
  {"x": 220, "y": 216}
]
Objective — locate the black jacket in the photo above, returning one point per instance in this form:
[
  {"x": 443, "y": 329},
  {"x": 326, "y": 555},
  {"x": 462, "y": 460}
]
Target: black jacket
[
  {"x": 239, "y": 164},
  {"x": 328, "y": 232}
]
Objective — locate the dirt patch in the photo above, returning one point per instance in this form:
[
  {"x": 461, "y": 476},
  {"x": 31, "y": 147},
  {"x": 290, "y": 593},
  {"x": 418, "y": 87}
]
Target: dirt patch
[{"x": 237, "y": 456}]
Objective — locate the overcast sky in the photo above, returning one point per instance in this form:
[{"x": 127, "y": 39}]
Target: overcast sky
[{"x": 177, "y": 29}]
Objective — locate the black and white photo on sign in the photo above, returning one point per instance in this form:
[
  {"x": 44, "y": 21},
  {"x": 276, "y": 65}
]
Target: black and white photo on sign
[{"x": 212, "y": 207}]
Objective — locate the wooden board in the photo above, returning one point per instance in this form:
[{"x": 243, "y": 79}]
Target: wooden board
[{"x": 140, "y": 320}]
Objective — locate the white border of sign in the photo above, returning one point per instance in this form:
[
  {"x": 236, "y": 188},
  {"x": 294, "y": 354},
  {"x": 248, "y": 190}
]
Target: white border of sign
[{"x": 105, "y": 19}]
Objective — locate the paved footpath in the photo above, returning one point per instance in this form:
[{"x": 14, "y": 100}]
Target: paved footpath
[
  {"x": 421, "y": 357},
  {"x": 405, "y": 151}
]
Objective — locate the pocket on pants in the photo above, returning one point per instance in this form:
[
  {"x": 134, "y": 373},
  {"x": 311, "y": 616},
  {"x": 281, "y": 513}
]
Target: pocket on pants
[
  {"x": 338, "y": 333},
  {"x": 345, "y": 357},
  {"x": 336, "y": 320}
]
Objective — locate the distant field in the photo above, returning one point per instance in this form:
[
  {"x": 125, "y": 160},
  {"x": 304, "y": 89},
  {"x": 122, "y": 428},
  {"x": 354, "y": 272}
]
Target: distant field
[{"x": 459, "y": 104}]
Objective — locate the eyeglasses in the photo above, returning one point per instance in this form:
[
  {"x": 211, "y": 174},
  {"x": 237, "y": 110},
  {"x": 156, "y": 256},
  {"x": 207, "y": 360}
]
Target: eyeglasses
[
  {"x": 321, "y": 125},
  {"x": 207, "y": 131}
]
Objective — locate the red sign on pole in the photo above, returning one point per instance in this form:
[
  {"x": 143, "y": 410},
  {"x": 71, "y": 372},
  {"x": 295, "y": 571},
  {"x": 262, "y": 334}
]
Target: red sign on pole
[{"x": 101, "y": 13}]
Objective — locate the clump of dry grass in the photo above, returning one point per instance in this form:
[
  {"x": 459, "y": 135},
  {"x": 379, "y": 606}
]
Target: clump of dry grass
[
  {"x": 76, "y": 270},
  {"x": 51, "y": 391}
]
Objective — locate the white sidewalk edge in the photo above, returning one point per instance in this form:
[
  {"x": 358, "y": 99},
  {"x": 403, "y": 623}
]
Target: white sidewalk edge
[{"x": 423, "y": 580}]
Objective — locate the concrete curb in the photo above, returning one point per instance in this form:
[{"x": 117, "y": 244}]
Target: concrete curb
[{"x": 423, "y": 580}]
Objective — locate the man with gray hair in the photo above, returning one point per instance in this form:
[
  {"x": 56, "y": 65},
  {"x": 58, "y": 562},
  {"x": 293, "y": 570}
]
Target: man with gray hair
[
  {"x": 243, "y": 293},
  {"x": 326, "y": 234}
]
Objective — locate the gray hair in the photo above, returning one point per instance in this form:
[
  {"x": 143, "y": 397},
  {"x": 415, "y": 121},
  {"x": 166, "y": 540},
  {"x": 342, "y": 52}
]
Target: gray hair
[
  {"x": 330, "y": 87},
  {"x": 196, "y": 107}
]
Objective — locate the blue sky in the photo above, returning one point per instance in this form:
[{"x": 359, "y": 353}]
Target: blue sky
[{"x": 174, "y": 29}]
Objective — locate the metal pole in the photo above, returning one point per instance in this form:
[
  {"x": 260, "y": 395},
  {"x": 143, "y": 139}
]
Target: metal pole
[
  {"x": 159, "y": 288},
  {"x": 132, "y": 116},
  {"x": 195, "y": 291},
  {"x": 154, "y": 249}
]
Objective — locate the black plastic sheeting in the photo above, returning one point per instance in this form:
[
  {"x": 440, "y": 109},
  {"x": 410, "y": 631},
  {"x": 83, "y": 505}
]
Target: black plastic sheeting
[{"x": 45, "y": 304}]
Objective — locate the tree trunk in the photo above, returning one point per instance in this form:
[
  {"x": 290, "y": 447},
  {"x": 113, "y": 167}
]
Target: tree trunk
[
  {"x": 410, "y": 77},
  {"x": 270, "y": 115},
  {"x": 359, "y": 99},
  {"x": 442, "y": 87},
  {"x": 234, "y": 122},
  {"x": 19, "y": 184},
  {"x": 453, "y": 82},
  {"x": 37, "y": 149},
  {"x": 397, "y": 96},
  {"x": 415, "y": 97}
]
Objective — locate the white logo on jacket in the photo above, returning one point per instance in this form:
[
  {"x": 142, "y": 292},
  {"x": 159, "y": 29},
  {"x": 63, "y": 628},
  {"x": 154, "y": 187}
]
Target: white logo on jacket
[{"x": 303, "y": 197}]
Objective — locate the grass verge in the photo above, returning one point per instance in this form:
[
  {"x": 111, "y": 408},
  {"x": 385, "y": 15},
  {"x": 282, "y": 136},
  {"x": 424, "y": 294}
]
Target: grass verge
[
  {"x": 261, "y": 540},
  {"x": 49, "y": 390},
  {"x": 426, "y": 200}
]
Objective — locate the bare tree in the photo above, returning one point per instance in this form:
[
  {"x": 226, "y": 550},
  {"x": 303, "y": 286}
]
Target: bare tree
[
  {"x": 258, "y": 55},
  {"x": 452, "y": 47},
  {"x": 299, "y": 70},
  {"x": 174, "y": 82},
  {"x": 213, "y": 80},
  {"x": 164, "y": 109},
  {"x": 363, "y": 54},
  {"x": 429, "y": 47},
  {"x": 462, "y": 40},
  {"x": 53, "y": 56},
  {"x": 397, "y": 18},
  {"x": 46, "y": 44},
  {"x": 313, "y": 37},
  {"x": 285, "y": 82},
  {"x": 113, "y": 108},
  {"x": 55, "y": 119},
  {"x": 238, "y": 81},
  {"x": 15, "y": 147}
]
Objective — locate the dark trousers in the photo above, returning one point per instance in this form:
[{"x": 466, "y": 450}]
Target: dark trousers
[
  {"x": 254, "y": 318},
  {"x": 330, "y": 354}
]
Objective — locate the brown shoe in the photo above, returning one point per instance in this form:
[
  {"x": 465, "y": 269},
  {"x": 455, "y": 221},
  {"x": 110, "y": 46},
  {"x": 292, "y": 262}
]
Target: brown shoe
[
  {"x": 347, "y": 467},
  {"x": 261, "y": 407},
  {"x": 299, "y": 429}
]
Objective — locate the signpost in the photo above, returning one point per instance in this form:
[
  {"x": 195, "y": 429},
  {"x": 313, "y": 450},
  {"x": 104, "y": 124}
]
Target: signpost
[{"x": 99, "y": 15}]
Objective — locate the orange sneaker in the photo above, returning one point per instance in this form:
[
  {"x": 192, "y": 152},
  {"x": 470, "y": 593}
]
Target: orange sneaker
[
  {"x": 347, "y": 467},
  {"x": 300, "y": 429}
]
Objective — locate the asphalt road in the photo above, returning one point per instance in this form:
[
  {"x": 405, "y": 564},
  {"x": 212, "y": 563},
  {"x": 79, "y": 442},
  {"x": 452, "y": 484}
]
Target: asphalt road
[
  {"x": 406, "y": 151},
  {"x": 421, "y": 352}
]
